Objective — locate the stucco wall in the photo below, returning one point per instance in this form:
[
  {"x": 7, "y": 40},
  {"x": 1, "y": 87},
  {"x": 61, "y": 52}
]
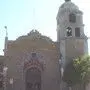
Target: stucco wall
[{"x": 19, "y": 52}]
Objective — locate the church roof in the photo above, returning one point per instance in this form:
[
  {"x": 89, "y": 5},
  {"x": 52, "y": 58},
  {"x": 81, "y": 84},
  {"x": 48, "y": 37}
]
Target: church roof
[
  {"x": 33, "y": 41},
  {"x": 69, "y": 5}
]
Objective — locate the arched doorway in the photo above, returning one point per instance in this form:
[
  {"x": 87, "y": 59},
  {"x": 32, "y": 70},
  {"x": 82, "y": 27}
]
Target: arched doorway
[{"x": 33, "y": 79}]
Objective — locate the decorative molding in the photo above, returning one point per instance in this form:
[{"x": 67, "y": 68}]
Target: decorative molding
[
  {"x": 26, "y": 58},
  {"x": 35, "y": 35}
]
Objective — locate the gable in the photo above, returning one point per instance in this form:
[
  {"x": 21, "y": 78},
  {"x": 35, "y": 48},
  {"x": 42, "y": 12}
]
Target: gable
[{"x": 32, "y": 41}]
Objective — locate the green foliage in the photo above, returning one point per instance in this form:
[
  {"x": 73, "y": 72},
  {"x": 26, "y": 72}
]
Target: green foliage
[
  {"x": 77, "y": 71},
  {"x": 82, "y": 65}
]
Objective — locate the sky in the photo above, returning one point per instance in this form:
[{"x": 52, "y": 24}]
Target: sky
[{"x": 21, "y": 16}]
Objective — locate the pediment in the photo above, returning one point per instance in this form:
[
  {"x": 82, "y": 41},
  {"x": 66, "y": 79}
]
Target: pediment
[
  {"x": 34, "y": 39},
  {"x": 34, "y": 35}
]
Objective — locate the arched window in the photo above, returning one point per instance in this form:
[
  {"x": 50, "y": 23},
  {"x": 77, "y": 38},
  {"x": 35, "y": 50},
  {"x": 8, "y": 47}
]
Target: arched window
[
  {"x": 72, "y": 18},
  {"x": 69, "y": 31}
]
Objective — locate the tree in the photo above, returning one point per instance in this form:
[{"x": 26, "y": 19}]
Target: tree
[
  {"x": 82, "y": 65},
  {"x": 77, "y": 71}
]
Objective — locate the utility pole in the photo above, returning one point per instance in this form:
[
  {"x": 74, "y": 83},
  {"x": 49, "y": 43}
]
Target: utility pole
[
  {"x": 6, "y": 41},
  {"x": 6, "y": 31}
]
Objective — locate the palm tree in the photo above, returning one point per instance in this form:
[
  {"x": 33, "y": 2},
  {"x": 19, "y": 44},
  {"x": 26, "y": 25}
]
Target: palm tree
[{"x": 77, "y": 72}]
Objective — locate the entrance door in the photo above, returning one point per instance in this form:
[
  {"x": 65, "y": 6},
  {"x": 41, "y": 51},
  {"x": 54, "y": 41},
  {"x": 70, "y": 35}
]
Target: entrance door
[{"x": 33, "y": 79}]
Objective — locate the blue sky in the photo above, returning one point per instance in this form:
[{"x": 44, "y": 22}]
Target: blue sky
[{"x": 21, "y": 16}]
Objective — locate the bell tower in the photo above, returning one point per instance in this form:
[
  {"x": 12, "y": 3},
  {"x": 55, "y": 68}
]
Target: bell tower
[{"x": 70, "y": 32}]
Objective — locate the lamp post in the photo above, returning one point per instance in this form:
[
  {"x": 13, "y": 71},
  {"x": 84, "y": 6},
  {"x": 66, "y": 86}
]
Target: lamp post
[{"x": 6, "y": 30}]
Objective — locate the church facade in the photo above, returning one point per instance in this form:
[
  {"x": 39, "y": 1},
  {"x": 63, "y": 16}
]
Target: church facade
[{"x": 34, "y": 61}]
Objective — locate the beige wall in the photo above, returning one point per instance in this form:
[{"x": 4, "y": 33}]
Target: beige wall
[{"x": 20, "y": 52}]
